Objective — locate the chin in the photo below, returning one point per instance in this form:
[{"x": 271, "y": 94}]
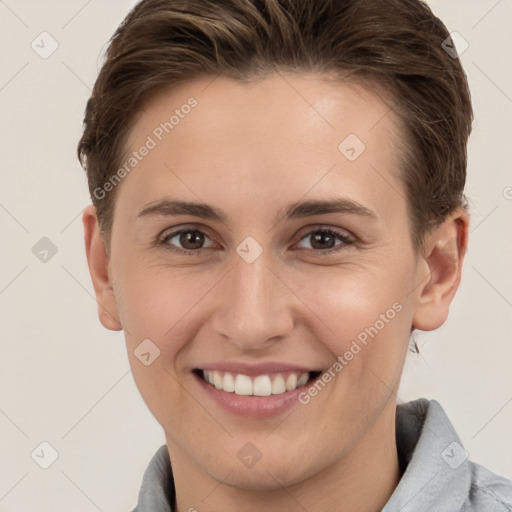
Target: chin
[
  {"x": 263, "y": 476},
  {"x": 260, "y": 481}
]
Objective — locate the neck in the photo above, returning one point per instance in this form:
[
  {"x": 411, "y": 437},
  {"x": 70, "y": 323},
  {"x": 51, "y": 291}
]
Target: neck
[{"x": 362, "y": 480}]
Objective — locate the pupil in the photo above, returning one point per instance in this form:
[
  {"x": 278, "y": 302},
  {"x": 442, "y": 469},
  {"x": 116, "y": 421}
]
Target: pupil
[
  {"x": 319, "y": 237},
  {"x": 191, "y": 239}
]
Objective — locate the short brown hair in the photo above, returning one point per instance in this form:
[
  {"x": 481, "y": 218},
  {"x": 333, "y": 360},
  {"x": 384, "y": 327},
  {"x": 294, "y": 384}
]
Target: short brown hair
[{"x": 397, "y": 44}]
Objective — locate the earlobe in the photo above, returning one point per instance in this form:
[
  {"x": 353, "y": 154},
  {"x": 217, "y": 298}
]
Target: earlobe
[
  {"x": 98, "y": 260},
  {"x": 441, "y": 271}
]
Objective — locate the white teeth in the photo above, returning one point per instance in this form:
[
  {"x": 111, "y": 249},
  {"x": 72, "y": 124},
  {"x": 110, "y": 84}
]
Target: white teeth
[
  {"x": 217, "y": 380},
  {"x": 291, "y": 382},
  {"x": 278, "y": 386},
  {"x": 302, "y": 379},
  {"x": 243, "y": 385},
  {"x": 229, "y": 383},
  {"x": 261, "y": 385}
]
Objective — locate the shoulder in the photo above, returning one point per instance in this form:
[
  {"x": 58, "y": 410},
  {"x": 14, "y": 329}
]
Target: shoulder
[
  {"x": 488, "y": 491},
  {"x": 437, "y": 473}
]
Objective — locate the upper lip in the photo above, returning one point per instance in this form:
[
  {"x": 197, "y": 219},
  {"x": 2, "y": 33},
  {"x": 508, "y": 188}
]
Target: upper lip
[{"x": 254, "y": 369}]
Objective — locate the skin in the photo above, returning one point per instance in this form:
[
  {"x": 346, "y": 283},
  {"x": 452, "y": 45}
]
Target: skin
[{"x": 251, "y": 150}]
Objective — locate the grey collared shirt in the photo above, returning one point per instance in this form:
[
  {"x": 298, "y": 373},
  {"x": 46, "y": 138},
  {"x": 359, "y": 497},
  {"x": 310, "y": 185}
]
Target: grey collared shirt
[{"x": 437, "y": 475}]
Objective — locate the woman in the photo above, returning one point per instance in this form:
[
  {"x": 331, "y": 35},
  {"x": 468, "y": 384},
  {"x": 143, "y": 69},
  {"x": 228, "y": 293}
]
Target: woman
[{"x": 278, "y": 203}]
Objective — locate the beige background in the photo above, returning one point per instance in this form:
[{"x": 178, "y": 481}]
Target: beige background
[{"x": 65, "y": 380}]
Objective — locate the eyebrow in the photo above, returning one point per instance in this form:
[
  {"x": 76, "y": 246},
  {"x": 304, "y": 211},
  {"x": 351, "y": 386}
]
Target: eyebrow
[{"x": 168, "y": 207}]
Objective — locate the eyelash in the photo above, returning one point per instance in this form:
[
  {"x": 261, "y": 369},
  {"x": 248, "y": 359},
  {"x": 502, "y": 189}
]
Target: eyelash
[{"x": 346, "y": 239}]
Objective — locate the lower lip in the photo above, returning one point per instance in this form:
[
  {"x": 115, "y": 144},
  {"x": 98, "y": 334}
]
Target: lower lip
[{"x": 250, "y": 406}]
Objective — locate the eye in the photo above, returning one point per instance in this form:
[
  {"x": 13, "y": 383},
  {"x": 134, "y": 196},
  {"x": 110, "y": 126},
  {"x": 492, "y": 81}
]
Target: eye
[
  {"x": 323, "y": 240},
  {"x": 192, "y": 240}
]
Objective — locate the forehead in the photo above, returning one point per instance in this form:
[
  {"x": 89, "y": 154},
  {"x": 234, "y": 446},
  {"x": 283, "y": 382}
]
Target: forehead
[
  {"x": 287, "y": 130},
  {"x": 302, "y": 102}
]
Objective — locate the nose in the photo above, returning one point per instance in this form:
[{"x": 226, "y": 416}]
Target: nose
[{"x": 255, "y": 307}]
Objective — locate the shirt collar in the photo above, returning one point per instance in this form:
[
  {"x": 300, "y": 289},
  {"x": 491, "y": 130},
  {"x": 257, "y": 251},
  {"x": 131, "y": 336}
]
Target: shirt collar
[{"x": 437, "y": 471}]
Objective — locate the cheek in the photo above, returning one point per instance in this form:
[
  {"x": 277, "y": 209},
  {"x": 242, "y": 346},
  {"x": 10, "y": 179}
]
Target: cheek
[
  {"x": 157, "y": 305},
  {"x": 365, "y": 316},
  {"x": 155, "y": 302},
  {"x": 166, "y": 307},
  {"x": 356, "y": 304}
]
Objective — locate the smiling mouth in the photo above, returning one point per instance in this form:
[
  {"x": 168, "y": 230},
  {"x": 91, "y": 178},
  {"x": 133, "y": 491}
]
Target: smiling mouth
[{"x": 260, "y": 385}]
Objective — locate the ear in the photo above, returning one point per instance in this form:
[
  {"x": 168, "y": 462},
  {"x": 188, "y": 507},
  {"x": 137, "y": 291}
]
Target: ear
[
  {"x": 98, "y": 260},
  {"x": 444, "y": 251}
]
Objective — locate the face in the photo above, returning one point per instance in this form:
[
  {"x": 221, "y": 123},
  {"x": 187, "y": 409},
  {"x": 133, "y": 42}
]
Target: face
[{"x": 300, "y": 271}]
